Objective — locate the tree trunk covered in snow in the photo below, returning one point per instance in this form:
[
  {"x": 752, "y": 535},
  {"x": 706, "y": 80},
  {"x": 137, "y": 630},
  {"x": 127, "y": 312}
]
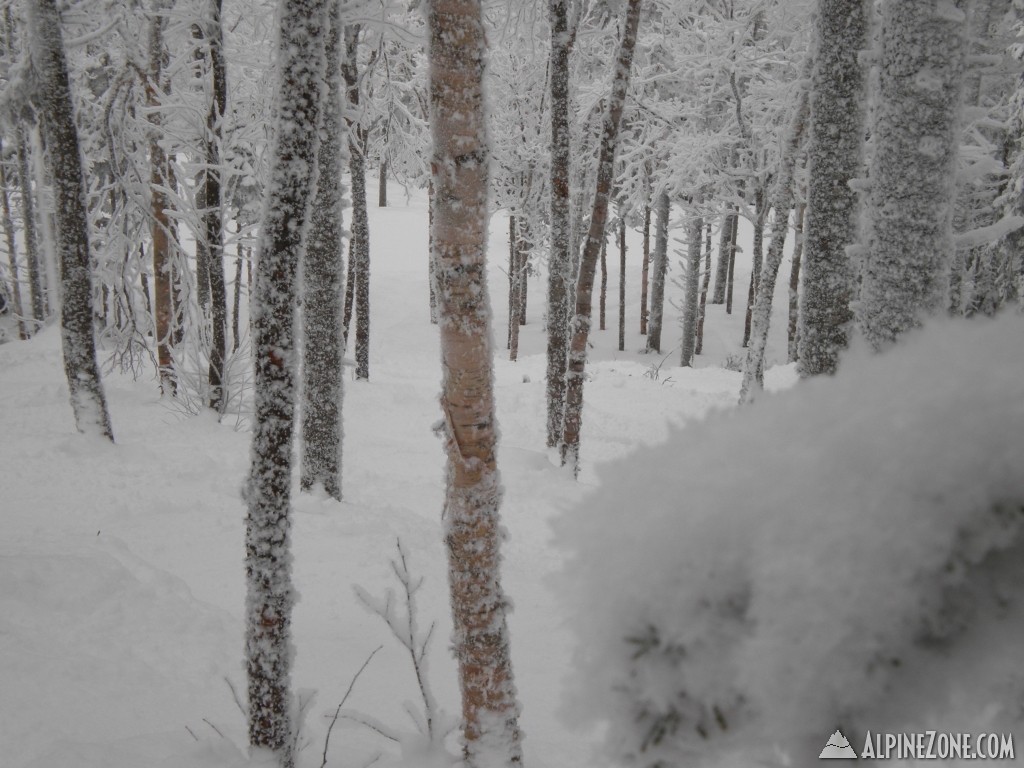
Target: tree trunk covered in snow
[
  {"x": 12, "y": 252},
  {"x": 596, "y": 238},
  {"x": 209, "y": 200},
  {"x": 270, "y": 596},
  {"x": 660, "y": 267},
  {"x": 323, "y": 277},
  {"x": 359, "y": 249},
  {"x": 603, "y": 298},
  {"x": 645, "y": 269},
  {"x": 731, "y": 271},
  {"x": 794, "y": 285},
  {"x": 834, "y": 157},
  {"x": 559, "y": 262},
  {"x": 913, "y": 173},
  {"x": 58, "y": 122},
  {"x": 724, "y": 256},
  {"x": 753, "y": 369},
  {"x": 694, "y": 236},
  {"x": 490, "y": 710},
  {"x": 159, "y": 183}
]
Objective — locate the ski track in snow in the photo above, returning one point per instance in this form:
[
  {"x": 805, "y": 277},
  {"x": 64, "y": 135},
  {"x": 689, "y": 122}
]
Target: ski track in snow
[{"x": 121, "y": 579}]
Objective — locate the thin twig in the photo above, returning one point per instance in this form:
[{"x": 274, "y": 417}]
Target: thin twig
[
  {"x": 234, "y": 695},
  {"x": 337, "y": 712},
  {"x": 191, "y": 733},
  {"x": 215, "y": 728}
]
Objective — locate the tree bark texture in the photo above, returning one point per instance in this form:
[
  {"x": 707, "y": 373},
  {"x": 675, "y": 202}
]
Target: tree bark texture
[
  {"x": 77, "y": 341},
  {"x": 834, "y": 157},
  {"x": 480, "y": 642},
  {"x": 269, "y": 592},
  {"x": 323, "y": 276},
  {"x": 913, "y": 172}
]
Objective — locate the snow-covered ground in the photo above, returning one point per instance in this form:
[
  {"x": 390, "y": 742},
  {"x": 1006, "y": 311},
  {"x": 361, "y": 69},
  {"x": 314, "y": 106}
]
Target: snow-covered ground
[{"x": 121, "y": 582}]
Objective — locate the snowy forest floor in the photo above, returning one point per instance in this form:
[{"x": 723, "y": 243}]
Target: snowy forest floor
[{"x": 121, "y": 579}]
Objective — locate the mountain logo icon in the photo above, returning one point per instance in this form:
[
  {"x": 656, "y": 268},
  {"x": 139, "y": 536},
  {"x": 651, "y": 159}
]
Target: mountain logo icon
[{"x": 838, "y": 748}]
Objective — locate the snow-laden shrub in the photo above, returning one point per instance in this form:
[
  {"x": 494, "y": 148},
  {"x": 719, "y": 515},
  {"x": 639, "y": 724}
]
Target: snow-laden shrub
[{"x": 778, "y": 571}]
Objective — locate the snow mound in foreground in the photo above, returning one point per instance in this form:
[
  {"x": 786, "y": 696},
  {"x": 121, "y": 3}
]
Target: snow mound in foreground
[{"x": 844, "y": 554}]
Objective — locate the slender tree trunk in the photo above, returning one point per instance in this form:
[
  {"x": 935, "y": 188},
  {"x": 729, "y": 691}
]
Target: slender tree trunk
[
  {"x": 794, "y": 284},
  {"x": 360, "y": 248},
  {"x": 54, "y": 99},
  {"x": 516, "y": 289},
  {"x": 164, "y": 310},
  {"x": 725, "y": 255},
  {"x": 524, "y": 274},
  {"x": 12, "y": 251},
  {"x": 559, "y": 262},
  {"x": 760, "y": 214},
  {"x": 603, "y": 299},
  {"x": 236, "y": 300},
  {"x": 513, "y": 260},
  {"x": 28, "y": 215},
  {"x": 431, "y": 269},
  {"x": 694, "y": 236},
  {"x": 622, "y": 283},
  {"x": 270, "y": 595},
  {"x": 490, "y": 711},
  {"x": 382, "y": 184},
  {"x": 753, "y": 371},
  {"x": 731, "y": 273},
  {"x": 913, "y": 173},
  {"x": 210, "y": 194},
  {"x": 595, "y": 238},
  {"x": 834, "y": 157},
  {"x": 645, "y": 269},
  {"x": 654, "y": 322},
  {"x": 705, "y": 284},
  {"x": 323, "y": 275}
]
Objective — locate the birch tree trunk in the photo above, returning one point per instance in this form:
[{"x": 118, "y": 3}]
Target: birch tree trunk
[
  {"x": 490, "y": 711},
  {"x": 595, "y": 239},
  {"x": 660, "y": 267},
  {"x": 269, "y": 592},
  {"x": 622, "y": 282},
  {"x": 913, "y": 172},
  {"x": 559, "y": 262},
  {"x": 323, "y": 278},
  {"x": 834, "y": 157},
  {"x": 753, "y": 370},
  {"x": 58, "y": 122}
]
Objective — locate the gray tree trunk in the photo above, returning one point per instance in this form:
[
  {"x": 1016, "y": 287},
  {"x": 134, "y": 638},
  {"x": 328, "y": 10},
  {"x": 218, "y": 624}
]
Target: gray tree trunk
[
  {"x": 834, "y": 157},
  {"x": 54, "y": 97},
  {"x": 323, "y": 277},
  {"x": 694, "y": 236},
  {"x": 913, "y": 172},
  {"x": 660, "y": 267}
]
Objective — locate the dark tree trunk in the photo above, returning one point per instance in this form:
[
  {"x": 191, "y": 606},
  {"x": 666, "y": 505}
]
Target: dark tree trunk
[
  {"x": 695, "y": 233},
  {"x": 54, "y": 99},
  {"x": 725, "y": 256},
  {"x": 210, "y": 195},
  {"x": 595, "y": 238},
  {"x": 622, "y": 283},
  {"x": 12, "y": 251},
  {"x": 382, "y": 184},
  {"x": 359, "y": 252},
  {"x": 645, "y": 269},
  {"x": 660, "y": 265},
  {"x": 270, "y": 595},
  {"x": 28, "y": 216},
  {"x": 323, "y": 275},
  {"x": 560, "y": 263},
  {"x": 794, "y": 285},
  {"x": 603, "y": 299},
  {"x": 834, "y": 157},
  {"x": 236, "y": 300},
  {"x": 731, "y": 273},
  {"x": 698, "y": 347},
  {"x": 760, "y": 214}
]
